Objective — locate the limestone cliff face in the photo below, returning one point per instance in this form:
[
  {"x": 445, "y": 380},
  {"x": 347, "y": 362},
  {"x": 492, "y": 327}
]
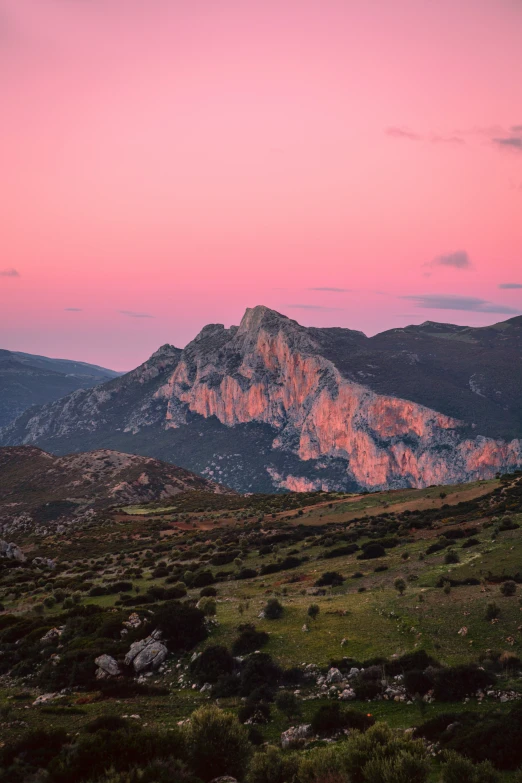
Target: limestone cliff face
[
  {"x": 268, "y": 371},
  {"x": 273, "y": 372}
]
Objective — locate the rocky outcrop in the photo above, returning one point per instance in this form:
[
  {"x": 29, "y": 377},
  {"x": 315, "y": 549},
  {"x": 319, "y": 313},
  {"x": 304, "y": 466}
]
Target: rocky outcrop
[
  {"x": 324, "y": 402},
  {"x": 107, "y": 667},
  {"x": 11, "y": 551},
  {"x": 147, "y": 654}
]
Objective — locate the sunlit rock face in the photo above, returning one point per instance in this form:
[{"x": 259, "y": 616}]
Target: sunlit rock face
[
  {"x": 317, "y": 396},
  {"x": 268, "y": 371}
]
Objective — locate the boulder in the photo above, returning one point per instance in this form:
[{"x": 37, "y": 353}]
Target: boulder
[
  {"x": 12, "y": 551},
  {"x": 146, "y": 654},
  {"x": 334, "y": 675},
  {"x": 347, "y": 695},
  {"x": 108, "y": 665},
  {"x": 296, "y": 735}
]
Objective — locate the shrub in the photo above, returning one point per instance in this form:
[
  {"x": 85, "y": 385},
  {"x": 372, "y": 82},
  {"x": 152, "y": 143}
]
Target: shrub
[
  {"x": 207, "y": 606},
  {"x": 183, "y": 626},
  {"x": 273, "y": 609},
  {"x": 213, "y": 662},
  {"x": 330, "y": 579},
  {"x": 492, "y": 611},
  {"x": 259, "y": 671},
  {"x": 508, "y": 588},
  {"x": 246, "y": 573},
  {"x": 451, "y": 557},
  {"x": 323, "y": 765},
  {"x": 454, "y": 683},
  {"x": 371, "y": 552},
  {"x": 313, "y": 611},
  {"x": 331, "y": 718},
  {"x": 249, "y": 640},
  {"x": 417, "y": 682},
  {"x": 400, "y": 585},
  {"x": 288, "y": 704},
  {"x": 207, "y": 592},
  {"x": 217, "y": 744},
  {"x": 458, "y": 769},
  {"x": 272, "y": 766}
]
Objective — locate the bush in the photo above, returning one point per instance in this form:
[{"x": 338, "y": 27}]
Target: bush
[
  {"x": 208, "y": 606},
  {"x": 259, "y": 671},
  {"x": 183, "y": 625},
  {"x": 508, "y": 588},
  {"x": 272, "y": 766},
  {"x": 492, "y": 611},
  {"x": 323, "y": 765},
  {"x": 249, "y": 640},
  {"x": 451, "y": 557},
  {"x": 454, "y": 683},
  {"x": 372, "y": 552},
  {"x": 273, "y": 609},
  {"x": 458, "y": 769},
  {"x": 207, "y": 592},
  {"x": 217, "y": 744},
  {"x": 213, "y": 662},
  {"x": 417, "y": 682},
  {"x": 331, "y": 718},
  {"x": 330, "y": 579},
  {"x": 313, "y": 611},
  {"x": 400, "y": 585},
  {"x": 288, "y": 704}
]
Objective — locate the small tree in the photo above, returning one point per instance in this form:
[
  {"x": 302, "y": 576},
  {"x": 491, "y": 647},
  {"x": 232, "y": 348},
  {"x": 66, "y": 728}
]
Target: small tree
[
  {"x": 273, "y": 609},
  {"x": 217, "y": 744},
  {"x": 400, "y": 585},
  {"x": 207, "y": 606},
  {"x": 313, "y": 611},
  {"x": 508, "y": 588},
  {"x": 288, "y": 703}
]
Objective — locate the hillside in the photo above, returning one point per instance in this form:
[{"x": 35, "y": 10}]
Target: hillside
[
  {"x": 271, "y": 405},
  {"x": 37, "y": 488},
  {"x": 27, "y": 380},
  {"x": 386, "y": 605}
]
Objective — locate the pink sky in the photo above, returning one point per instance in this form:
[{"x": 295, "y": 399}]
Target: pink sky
[{"x": 183, "y": 160}]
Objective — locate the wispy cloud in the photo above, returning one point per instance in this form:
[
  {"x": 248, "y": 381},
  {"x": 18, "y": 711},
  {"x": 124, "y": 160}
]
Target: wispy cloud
[
  {"x": 516, "y": 129},
  {"x": 457, "y": 302},
  {"x": 132, "y": 314},
  {"x": 403, "y": 133},
  {"x": 457, "y": 260},
  {"x": 409, "y": 135},
  {"x": 311, "y": 307},
  {"x": 9, "y": 273},
  {"x": 73, "y": 309},
  {"x": 333, "y": 290},
  {"x": 510, "y": 285},
  {"x": 510, "y": 142}
]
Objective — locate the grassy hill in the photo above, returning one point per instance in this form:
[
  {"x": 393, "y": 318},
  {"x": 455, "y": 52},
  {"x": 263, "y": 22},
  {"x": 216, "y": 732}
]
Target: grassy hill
[{"x": 453, "y": 547}]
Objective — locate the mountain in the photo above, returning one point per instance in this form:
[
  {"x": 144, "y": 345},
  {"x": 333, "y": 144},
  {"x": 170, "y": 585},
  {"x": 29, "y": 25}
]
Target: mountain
[
  {"x": 270, "y": 404},
  {"x": 27, "y": 380},
  {"x": 47, "y": 487}
]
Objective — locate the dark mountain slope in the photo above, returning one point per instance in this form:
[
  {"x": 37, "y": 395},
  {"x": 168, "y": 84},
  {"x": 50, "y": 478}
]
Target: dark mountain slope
[{"x": 27, "y": 380}]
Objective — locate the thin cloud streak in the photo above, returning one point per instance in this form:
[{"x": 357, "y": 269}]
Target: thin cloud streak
[
  {"x": 333, "y": 290},
  {"x": 132, "y": 314},
  {"x": 455, "y": 302},
  {"x": 72, "y": 309},
  {"x": 9, "y": 273},
  {"x": 509, "y": 286},
  {"x": 311, "y": 307}
]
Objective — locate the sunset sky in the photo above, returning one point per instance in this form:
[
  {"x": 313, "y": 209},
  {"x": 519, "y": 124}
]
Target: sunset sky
[{"x": 167, "y": 163}]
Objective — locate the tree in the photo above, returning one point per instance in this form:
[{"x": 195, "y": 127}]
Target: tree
[
  {"x": 273, "y": 609},
  {"x": 508, "y": 588},
  {"x": 400, "y": 585},
  {"x": 313, "y": 611},
  {"x": 217, "y": 744}
]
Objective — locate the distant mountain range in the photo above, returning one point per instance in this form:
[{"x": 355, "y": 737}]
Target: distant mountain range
[
  {"x": 270, "y": 405},
  {"x": 27, "y": 380},
  {"x": 46, "y": 487}
]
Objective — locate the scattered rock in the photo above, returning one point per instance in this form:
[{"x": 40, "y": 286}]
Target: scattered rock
[
  {"x": 146, "y": 654},
  {"x": 334, "y": 675},
  {"x": 108, "y": 667},
  {"x": 295, "y": 736}
]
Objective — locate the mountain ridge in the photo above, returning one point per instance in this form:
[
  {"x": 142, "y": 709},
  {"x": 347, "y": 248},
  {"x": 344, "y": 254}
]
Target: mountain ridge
[{"x": 271, "y": 404}]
